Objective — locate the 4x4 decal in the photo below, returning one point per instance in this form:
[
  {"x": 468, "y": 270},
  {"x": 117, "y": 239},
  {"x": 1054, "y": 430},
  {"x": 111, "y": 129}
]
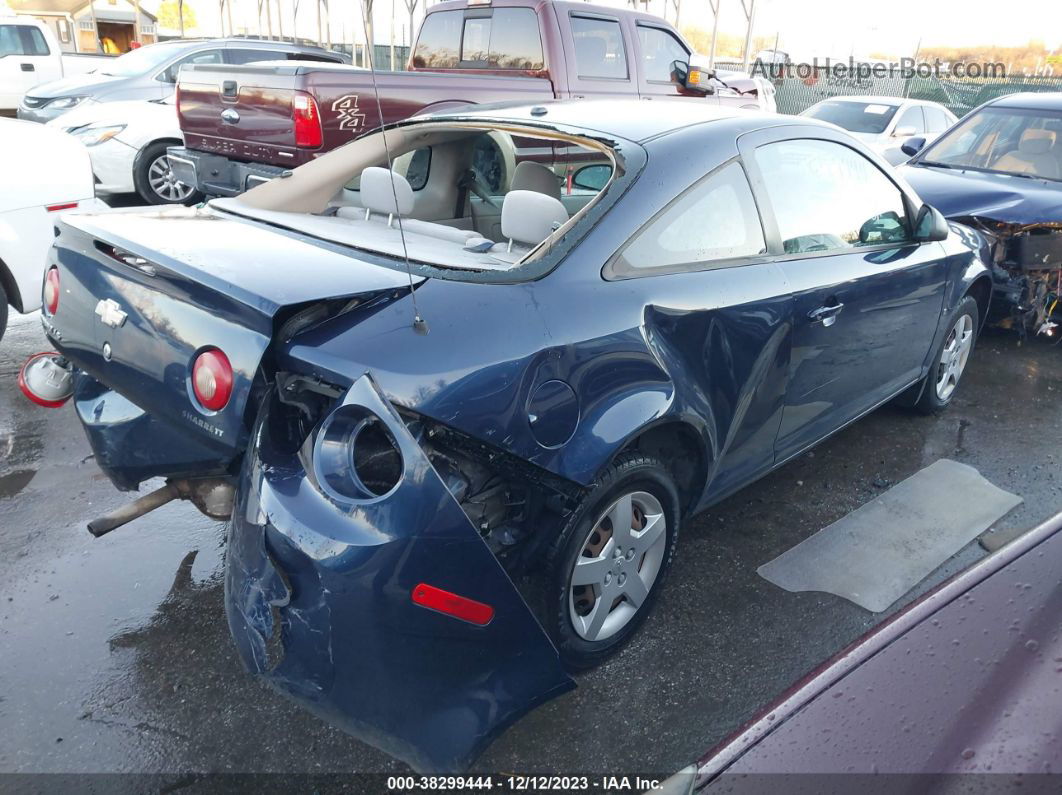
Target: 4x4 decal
[{"x": 350, "y": 116}]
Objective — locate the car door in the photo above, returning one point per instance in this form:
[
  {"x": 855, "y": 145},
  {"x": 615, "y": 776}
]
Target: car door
[
  {"x": 26, "y": 60},
  {"x": 867, "y": 297},
  {"x": 658, "y": 48},
  {"x": 719, "y": 317}
]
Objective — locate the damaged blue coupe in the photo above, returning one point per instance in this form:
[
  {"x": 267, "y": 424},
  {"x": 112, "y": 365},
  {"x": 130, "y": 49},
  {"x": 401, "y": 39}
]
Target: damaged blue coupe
[{"x": 492, "y": 350}]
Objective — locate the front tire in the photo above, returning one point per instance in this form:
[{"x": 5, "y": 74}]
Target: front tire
[
  {"x": 608, "y": 564},
  {"x": 154, "y": 180},
  {"x": 950, "y": 358}
]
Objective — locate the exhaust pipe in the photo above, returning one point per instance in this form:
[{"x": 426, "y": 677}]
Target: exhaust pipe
[
  {"x": 212, "y": 496},
  {"x": 47, "y": 379}
]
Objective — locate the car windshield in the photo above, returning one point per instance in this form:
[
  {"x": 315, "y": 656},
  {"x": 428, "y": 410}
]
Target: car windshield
[
  {"x": 139, "y": 61},
  {"x": 1027, "y": 143},
  {"x": 858, "y": 117}
]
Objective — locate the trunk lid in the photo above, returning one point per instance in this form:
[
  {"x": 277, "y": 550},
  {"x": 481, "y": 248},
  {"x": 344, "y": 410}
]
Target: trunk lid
[{"x": 204, "y": 281}]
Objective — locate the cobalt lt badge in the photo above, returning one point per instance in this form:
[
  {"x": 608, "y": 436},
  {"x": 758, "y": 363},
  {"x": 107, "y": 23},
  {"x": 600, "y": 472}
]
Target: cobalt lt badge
[{"x": 110, "y": 313}]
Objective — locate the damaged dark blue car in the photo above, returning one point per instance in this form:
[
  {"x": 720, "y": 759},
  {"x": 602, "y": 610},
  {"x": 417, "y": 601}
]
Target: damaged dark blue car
[{"x": 496, "y": 351}]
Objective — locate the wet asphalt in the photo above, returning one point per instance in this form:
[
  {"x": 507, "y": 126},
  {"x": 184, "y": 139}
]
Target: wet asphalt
[{"x": 115, "y": 655}]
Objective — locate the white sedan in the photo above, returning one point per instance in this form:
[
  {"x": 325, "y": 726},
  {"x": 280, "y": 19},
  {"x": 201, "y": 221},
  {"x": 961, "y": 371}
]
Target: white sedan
[
  {"x": 884, "y": 123},
  {"x": 127, "y": 142},
  {"x": 44, "y": 175}
]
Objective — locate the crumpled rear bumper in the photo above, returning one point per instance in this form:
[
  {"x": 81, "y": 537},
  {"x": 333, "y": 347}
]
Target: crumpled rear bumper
[{"x": 318, "y": 595}]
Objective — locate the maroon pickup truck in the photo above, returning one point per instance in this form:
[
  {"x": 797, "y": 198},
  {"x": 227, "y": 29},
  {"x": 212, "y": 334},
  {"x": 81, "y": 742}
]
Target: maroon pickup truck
[{"x": 248, "y": 124}]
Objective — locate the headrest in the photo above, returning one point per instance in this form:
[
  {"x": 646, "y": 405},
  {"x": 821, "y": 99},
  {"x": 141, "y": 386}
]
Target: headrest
[
  {"x": 378, "y": 196},
  {"x": 535, "y": 176},
  {"x": 1036, "y": 142},
  {"x": 529, "y": 217}
]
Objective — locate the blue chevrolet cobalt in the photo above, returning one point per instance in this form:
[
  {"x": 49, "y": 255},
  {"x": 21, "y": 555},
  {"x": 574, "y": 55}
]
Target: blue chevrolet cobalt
[{"x": 497, "y": 346}]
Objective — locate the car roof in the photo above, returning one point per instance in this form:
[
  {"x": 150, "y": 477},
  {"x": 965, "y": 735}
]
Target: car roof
[
  {"x": 241, "y": 41},
  {"x": 1030, "y": 100},
  {"x": 625, "y": 118}
]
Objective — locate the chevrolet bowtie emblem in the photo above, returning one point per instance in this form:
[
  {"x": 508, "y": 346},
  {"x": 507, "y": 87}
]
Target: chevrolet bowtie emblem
[{"x": 110, "y": 313}]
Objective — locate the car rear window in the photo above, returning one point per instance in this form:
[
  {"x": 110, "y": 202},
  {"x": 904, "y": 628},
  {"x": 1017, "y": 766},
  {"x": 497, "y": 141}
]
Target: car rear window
[
  {"x": 501, "y": 38},
  {"x": 859, "y": 117}
]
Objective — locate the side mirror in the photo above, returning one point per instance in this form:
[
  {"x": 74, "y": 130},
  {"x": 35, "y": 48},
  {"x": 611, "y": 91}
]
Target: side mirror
[
  {"x": 904, "y": 132},
  {"x": 912, "y": 146},
  {"x": 930, "y": 225},
  {"x": 693, "y": 77},
  {"x": 593, "y": 177}
]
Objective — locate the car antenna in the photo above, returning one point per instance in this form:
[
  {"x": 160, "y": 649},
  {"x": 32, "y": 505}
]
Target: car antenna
[{"x": 420, "y": 326}]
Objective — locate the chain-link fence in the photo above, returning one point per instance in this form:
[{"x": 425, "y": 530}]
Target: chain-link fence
[{"x": 959, "y": 95}]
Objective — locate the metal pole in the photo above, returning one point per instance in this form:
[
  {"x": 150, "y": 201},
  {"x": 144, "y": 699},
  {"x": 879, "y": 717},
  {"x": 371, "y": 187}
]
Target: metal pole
[
  {"x": 750, "y": 14},
  {"x": 715, "y": 31}
]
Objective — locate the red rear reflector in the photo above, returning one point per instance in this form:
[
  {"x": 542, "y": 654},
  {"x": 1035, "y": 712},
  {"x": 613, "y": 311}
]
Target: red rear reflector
[
  {"x": 452, "y": 605},
  {"x": 54, "y": 208},
  {"x": 212, "y": 379},
  {"x": 307, "y": 118},
  {"x": 51, "y": 290}
]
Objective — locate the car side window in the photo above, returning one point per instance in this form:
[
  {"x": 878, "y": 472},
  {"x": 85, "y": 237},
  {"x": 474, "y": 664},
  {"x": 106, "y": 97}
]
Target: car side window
[
  {"x": 936, "y": 119},
  {"x": 22, "y": 40},
  {"x": 827, "y": 197},
  {"x": 599, "y": 50},
  {"x": 242, "y": 55},
  {"x": 170, "y": 74},
  {"x": 659, "y": 49},
  {"x": 912, "y": 117},
  {"x": 716, "y": 220}
]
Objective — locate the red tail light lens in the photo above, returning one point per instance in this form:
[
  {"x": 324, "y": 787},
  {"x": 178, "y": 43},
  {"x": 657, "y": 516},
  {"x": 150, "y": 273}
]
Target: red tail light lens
[
  {"x": 308, "y": 133},
  {"x": 51, "y": 290},
  {"x": 212, "y": 379},
  {"x": 452, "y": 605}
]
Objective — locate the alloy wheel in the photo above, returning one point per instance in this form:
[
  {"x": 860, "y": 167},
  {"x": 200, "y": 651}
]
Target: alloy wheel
[
  {"x": 620, "y": 560},
  {"x": 164, "y": 183},
  {"x": 953, "y": 358}
]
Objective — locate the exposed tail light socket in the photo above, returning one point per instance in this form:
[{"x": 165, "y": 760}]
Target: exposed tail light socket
[
  {"x": 212, "y": 379},
  {"x": 51, "y": 290},
  {"x": 451, "y": 604},
  {"x": 308, "y": 132}
]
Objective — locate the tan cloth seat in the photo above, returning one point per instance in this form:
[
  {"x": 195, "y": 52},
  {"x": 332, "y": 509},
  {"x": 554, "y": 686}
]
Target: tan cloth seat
[
  {"x": 533, "y": 176},
  {"x": 1036, "y": 154}
]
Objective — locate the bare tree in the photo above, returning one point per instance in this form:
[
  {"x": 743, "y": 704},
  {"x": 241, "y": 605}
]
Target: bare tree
[{"x": 180, "y": 15}]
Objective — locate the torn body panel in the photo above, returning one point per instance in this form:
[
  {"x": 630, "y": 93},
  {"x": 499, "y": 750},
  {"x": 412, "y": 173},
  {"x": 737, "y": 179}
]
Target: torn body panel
[{"x": 319, "y": 598}]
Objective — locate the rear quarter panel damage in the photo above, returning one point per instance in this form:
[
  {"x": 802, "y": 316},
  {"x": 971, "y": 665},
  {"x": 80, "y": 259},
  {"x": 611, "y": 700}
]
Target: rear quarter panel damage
[{"x": 318, "y": 595}]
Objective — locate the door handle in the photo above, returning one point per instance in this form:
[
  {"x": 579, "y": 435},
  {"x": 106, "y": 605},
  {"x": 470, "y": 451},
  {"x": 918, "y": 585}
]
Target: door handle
[
  {"x": 28, "y": 67},
  {"x": 827, "y": 315}
]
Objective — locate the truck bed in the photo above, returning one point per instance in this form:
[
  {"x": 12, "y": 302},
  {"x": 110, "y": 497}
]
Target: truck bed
[{"x": 261, "y": 130}]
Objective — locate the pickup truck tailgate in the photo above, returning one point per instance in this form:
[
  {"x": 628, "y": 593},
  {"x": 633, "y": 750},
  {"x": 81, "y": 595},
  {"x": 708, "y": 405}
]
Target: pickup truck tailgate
[{"x": 244, "y": 112}]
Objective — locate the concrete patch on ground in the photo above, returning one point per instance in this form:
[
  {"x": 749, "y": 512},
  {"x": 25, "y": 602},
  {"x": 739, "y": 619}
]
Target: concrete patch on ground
[{"x": 882, "y": 550}]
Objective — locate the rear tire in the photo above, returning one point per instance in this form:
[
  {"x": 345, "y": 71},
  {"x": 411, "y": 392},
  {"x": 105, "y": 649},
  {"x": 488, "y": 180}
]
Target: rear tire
[
  {"x": 950, "y": 358},
  {"x": 154, "y": 181},
  {"x": 624, "y": 568}
]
